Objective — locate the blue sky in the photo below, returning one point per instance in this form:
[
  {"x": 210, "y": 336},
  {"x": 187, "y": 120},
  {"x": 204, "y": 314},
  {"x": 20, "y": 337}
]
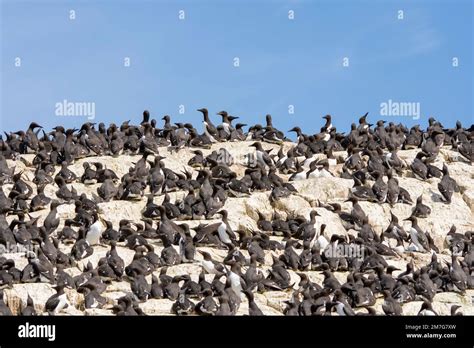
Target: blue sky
[{"x": 190, "y": 62}]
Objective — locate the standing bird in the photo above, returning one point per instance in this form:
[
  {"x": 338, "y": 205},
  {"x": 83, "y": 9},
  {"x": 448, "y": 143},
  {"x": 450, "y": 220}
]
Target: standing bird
[
  {"x": 421, "y": 210},
  {"x": 226, "y": 235},
  {"x": 114, "y": 261},
  {"x": 419, "y": 240},
  {"x": 391, "y": 306},
  {"x": 262, "y": 156},
  {"x": 457, "y": 274},
  {"x": 209, "y": 129},
  {"x": 393, "y": 190},
  {"x": 342, "y": 307},
  {"x": 306, "y": 230},
  {"x": 29, "y": 309},
  {"x": 31, "y": 139},
  {"x": 357, "y": 213},
  {"x": 211, "y": 266},
  {"x": 90, "y": 175},
  {"x": 426, "y": 309},
  {"x": 58, "y": 301},
  {"x": 95, "y": 231},
  {"x": 207, "y": 306},
  {"x": 419, "y": 167},
  {"x": 51, "y": 222},
  {"x": 380, "y": 188},
  {"x": 187, "y": 249},
  {"x": 447, "y": 186},
  {"x": 253, "y": 308}
]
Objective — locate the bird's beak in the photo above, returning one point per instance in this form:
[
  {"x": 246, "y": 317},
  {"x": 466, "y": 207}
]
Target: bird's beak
[{"x": 102, "y": 220}]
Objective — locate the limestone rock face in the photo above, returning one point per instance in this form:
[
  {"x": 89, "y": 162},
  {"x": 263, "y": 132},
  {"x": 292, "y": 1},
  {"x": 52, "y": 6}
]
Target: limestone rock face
[
  {"x": 17, "y": 296},
  {"x": 244, "y": 214},
  {"x": 324, "y": 189},
  {"x": 115, "y": 211},
  {"x": 292, "y": 207},
  {"x": 157, "y": 307}
]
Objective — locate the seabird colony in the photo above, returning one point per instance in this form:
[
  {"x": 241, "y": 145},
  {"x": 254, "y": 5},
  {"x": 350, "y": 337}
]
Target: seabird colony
[{"x": 292, "y": 244}]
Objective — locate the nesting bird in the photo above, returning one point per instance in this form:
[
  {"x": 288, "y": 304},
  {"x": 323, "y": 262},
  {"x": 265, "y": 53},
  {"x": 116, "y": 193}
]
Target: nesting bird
[{"x": 234, "y": 216}]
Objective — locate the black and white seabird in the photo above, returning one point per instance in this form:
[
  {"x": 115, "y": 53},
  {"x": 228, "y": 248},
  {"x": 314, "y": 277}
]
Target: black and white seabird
[
  {"x": 419, "y": 240},
  {"x": 418, "y": 166},
  {"x": 29, "y": 309},
  {"x": 225, "y": 232},
  {"x": 209, "y": 129},
  {"x": 57, "y": 302},
  {"x": 380, "y": 188},
  {"x": 207, "y": 306},
  {"x": 262, "y": 156},
  {"x": 342, "y": 307},
  {"x": 390, "y": 305},
  {"x": 427, "y": 309},
  {"x": 421, "y": 210},
  {"x": 447, "y": 186},
  {"x": 211, "y": 266},
  {"x": 94, "y": 232}
]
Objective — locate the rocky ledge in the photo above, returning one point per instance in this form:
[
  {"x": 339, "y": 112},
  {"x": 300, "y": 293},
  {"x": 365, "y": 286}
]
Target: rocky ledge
[{"x": 280, "y": 251}]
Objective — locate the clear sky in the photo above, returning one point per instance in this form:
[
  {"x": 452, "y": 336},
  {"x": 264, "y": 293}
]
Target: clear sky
[{"x": 191, "y": 61}]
